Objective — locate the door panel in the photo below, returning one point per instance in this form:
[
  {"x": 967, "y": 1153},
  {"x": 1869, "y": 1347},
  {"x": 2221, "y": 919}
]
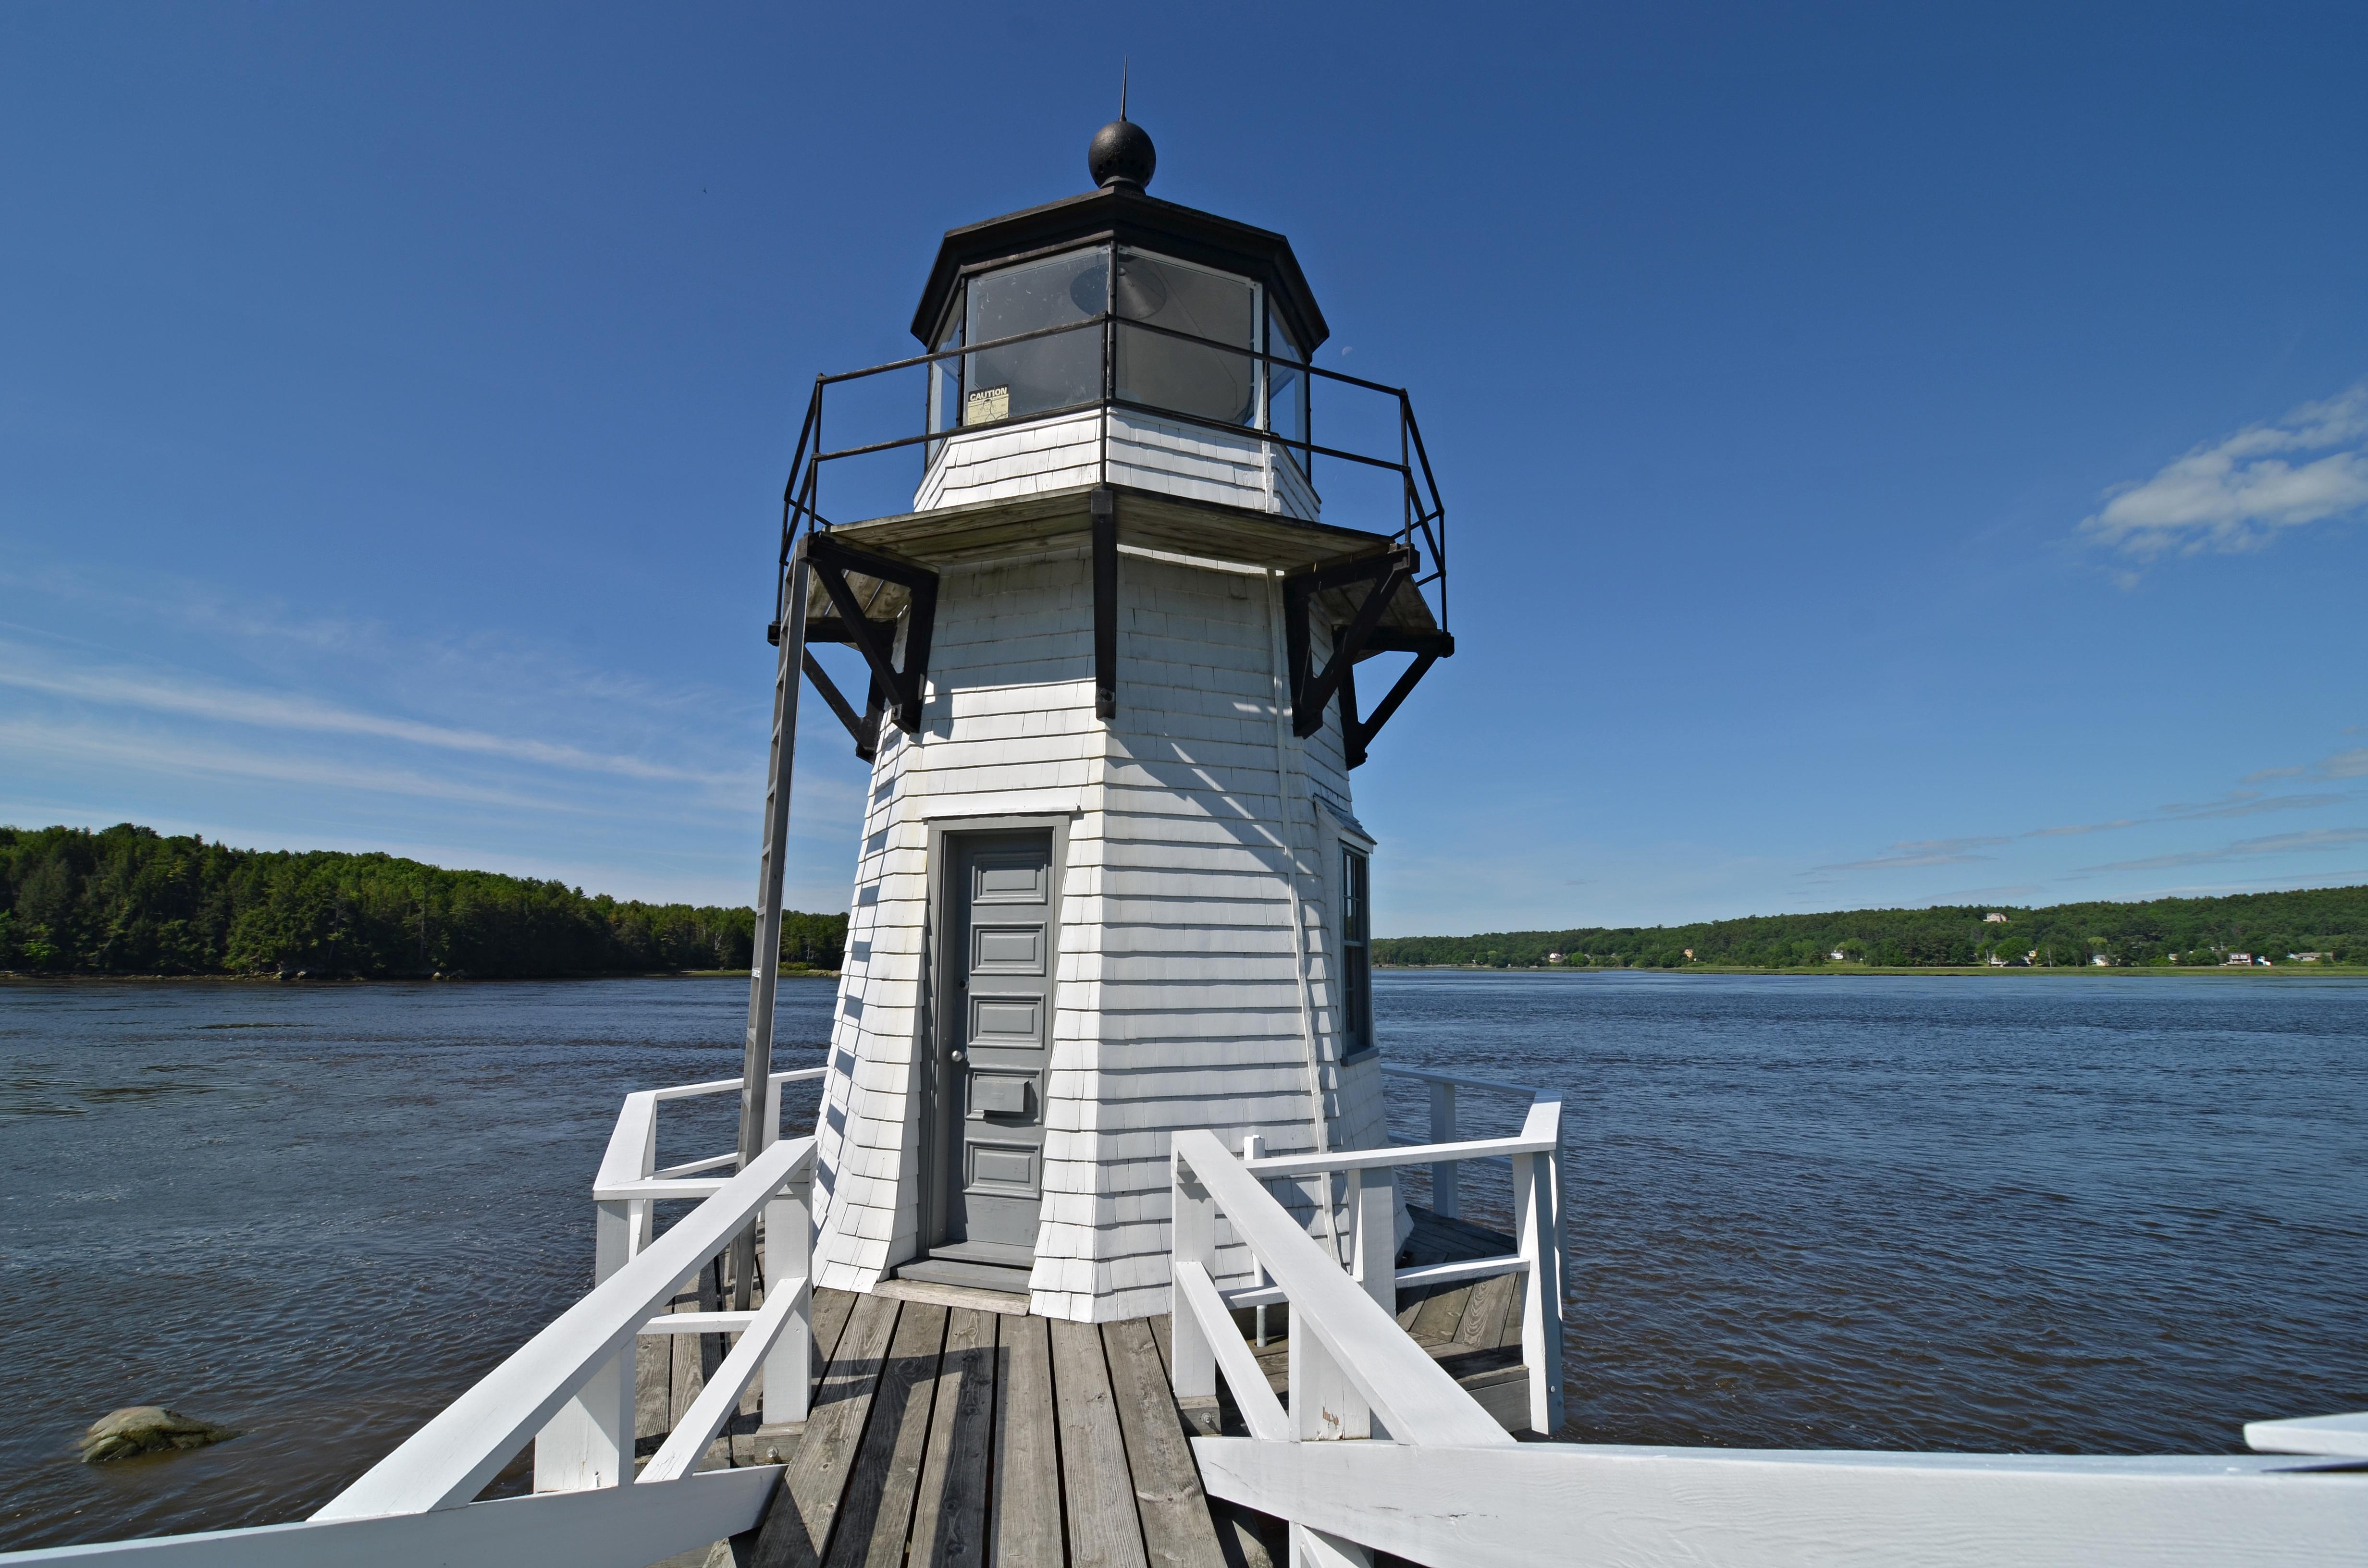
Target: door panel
[{"x": 995, "y": 1020}]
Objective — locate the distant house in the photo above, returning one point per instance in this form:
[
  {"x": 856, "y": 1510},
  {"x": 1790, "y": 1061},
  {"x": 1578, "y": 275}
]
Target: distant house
[
  {"x": 2101, "y": 961},
  {"x": 2238, "y": 960},
  {"x": 2307, "y": 958},
  {"x": 1996, "y": 960},
  {"x": 1993, "y": 919},
  {"x": 1690, "y": 955},
  {"x": 1838, "y": 956},
  {"x": 1553, "y": 958}
]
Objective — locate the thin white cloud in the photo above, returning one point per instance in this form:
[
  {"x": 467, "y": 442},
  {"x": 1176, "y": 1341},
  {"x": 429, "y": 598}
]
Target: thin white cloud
[
  {"x": 2313, "y": 841},
  {"x": 284, "y": 711},
  {"x": 156, "y": 754},
  {"x": 1921, "y": 852},
  {"x": 2240, "y": 493},
  {"x": 2351, "y": 764}
]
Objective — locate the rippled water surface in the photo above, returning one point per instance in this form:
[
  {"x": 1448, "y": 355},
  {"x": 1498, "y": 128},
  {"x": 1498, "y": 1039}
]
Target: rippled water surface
[{"x": 1997, "y": 1212}]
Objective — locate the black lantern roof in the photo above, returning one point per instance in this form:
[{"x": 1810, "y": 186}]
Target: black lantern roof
[{"x": 1119, "y": 211}]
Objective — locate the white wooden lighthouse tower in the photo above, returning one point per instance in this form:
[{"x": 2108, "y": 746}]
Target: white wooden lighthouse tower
[{"x": 1112, "y": 883}]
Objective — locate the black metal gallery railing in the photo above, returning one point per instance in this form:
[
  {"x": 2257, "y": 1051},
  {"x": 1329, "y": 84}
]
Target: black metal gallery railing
[{"x": 1422, "y": 524}]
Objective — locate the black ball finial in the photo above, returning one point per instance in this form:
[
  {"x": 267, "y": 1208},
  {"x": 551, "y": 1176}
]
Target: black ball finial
[{"x": 1121, "y": 153}]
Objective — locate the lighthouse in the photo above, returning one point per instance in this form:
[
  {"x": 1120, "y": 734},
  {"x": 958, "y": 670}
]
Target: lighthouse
[{"x": 1112, "y": 883}]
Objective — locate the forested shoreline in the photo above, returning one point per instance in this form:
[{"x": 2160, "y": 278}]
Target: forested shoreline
[
  {"x": 130, "y": 900},
  {"x": 2183, "y": 932}
]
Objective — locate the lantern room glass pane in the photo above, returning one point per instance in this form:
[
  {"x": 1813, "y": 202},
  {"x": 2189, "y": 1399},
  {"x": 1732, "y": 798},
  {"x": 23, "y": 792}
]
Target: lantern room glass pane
[
  {"x": 1044, "y": 374},
  {"x": 945, "y": 383},
  {"x": 1197, "y": 378},
  {"x": 1286, "y": 394}
]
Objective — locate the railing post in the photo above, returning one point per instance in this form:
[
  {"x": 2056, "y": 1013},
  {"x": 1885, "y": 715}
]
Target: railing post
[
  {"x": 1443, "y": 1173},
  {"x": 641, "y": 1214},
  {"x": 1376, "y": 1221},
  {"x": 1534, "y": 1223},
  {"x": 772, "y": 1124},
  {"x": 1254, "y": 1148},
  {"x": 1192, "y": 1231},
  {"x": 590, "y": 1442},
  {"x": 789, "y": 1255}
]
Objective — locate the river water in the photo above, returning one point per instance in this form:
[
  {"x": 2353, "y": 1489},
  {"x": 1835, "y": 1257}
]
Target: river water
[{"x": 1997, "y": 1212}]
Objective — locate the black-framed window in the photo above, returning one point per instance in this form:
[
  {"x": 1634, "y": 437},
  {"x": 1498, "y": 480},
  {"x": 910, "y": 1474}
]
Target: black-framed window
[
  {"x": 1356, "y": 966},
  {"x": 1226, "y": 319},
  {"x": 1286, "y": 395},
  {"x": 1044, "y": 374}
]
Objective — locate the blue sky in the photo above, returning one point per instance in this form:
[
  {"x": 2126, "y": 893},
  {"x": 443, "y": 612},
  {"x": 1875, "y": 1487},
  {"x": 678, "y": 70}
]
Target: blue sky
[{"x": 1894, "y": 455}]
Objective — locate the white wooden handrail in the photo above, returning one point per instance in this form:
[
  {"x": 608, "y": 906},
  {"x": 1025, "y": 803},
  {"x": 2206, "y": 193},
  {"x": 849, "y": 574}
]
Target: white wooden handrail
[
  {"x": 1549, "y": 1505},
  {"x": 720, "y": 1396},
  {"x": 447, "y": 1462},
  {"x": 1402, "y": 1154},
  {"x": 1261, "y": 1412},
  {"x": 1361, "y": 1345}
]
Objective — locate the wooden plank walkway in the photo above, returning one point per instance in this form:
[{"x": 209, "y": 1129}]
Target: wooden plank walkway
[
  {"x": 958, "y": 1436},
  {"x": 948, "y": 1435}
]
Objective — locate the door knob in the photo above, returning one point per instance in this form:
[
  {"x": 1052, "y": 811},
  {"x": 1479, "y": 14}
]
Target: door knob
[{"x": 956, "y": 1057}]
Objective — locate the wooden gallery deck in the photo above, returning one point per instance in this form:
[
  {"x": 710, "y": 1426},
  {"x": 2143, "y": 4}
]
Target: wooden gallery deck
[{"x": 947, "y": 1434}]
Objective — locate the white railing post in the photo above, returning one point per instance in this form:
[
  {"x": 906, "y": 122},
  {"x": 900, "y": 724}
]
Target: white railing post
[
  {"x": 590, "y": 1442},
  {"x": 641, "y": 1214},
  {"x": 1534, "y": 1225},
  {"x": 1254, "y": 1148},
  {"x": 772, "y": 1125},
  {"x": 1192, "y": 1223},
  {"x": 789, "y": 1257},
  {"x": 1443, "y": 1173},
  {"x": 1375, "y": 1192}
]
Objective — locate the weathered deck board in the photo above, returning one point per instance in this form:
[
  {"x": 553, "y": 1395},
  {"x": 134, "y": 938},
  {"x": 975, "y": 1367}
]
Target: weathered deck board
[
  {"x": 798, "y": 1524},
  {"x": 1027, "y": 1525},
  {"x": 950, "y": 1520},
  {"x": 947, "y": 1437},
  {"x": 1177, "y": 1530},
  {"x": 877, "y": 1513},
  {"x": 1104, "y": 1529}
]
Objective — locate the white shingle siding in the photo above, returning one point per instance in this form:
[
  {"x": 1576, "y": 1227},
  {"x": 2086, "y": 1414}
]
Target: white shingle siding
[
  {"x": 1165, "y": 455},
  {"x": 1177, "y": 999}
]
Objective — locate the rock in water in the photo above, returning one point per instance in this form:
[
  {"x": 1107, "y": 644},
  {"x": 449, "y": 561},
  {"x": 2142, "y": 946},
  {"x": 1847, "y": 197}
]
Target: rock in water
[{"x": 144, "y": 1428}]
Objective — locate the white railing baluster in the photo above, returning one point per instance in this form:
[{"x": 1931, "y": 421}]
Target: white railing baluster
[
  {"x": 789, "y": 1257},
  {"x": 1443, "y": 1173},
  {"x": 1192, "y": 1228},
  {"x": 1541, "y": 1306},
  {"x": 1375, "y": 1195}
]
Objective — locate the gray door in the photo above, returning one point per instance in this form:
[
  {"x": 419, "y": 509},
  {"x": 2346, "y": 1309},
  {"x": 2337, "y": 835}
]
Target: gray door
[{"x": 994, "y": 1021}]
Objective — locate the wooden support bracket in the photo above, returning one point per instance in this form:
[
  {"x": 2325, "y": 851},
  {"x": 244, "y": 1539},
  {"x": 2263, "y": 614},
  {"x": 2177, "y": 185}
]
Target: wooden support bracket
[
  {"x": 899, "y": 691},
  {"x": 1384, "y": 572},
  {"x": 1427, "y": 648}
]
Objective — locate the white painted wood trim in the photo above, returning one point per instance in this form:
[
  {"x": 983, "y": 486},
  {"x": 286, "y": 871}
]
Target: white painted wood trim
[
  {"x": 713, "y": 1162},
  {"x": 1407, "y": 1279},
  {"x": 1261, "y": 1412},
  {"x": 701, "y": 1323},
  {"x": 1401, "y": 1154},
  {"x": 1416, "y": 1399},
  {"x": 447, "y": 1462},
  {"x": 730, "y": 1085},
  {"x": 1552, "y": 1504},
  {"x": 616, "y": 1526},
  {"x": 720, "y": 1396},
  {"x": 1461, "y": 1082},
  {"x": 2343, "y": 1435}
]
